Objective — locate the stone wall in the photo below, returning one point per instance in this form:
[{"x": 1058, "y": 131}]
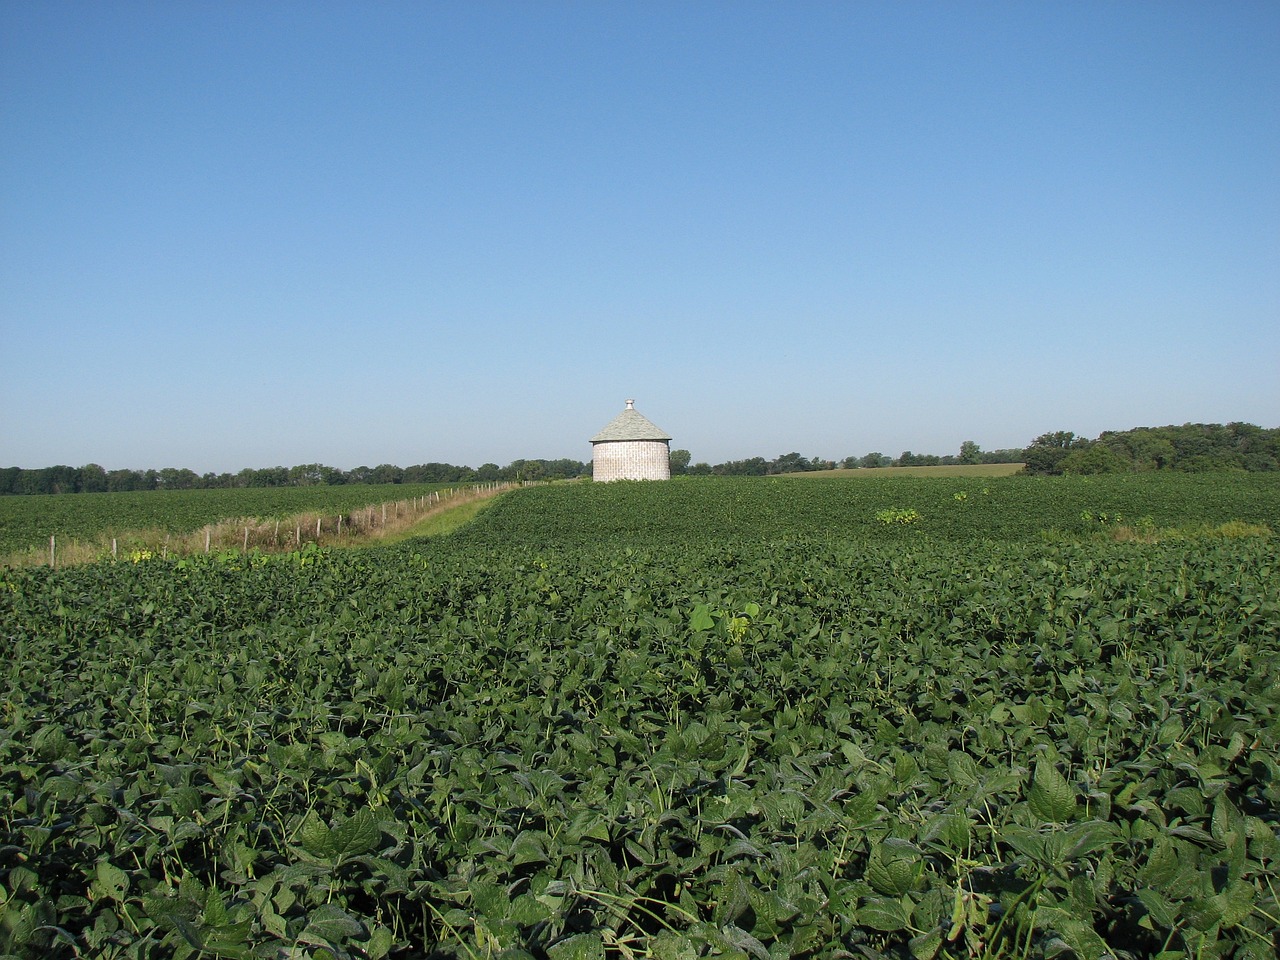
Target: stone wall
[{"x": 631, "y": 460}]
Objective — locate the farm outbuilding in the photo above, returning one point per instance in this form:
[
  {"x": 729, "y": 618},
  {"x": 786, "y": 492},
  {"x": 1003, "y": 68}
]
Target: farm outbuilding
[{"x": 631, "y": 447}]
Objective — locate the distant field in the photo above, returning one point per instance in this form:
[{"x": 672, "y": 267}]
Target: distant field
[
  {"x": 881, "y": 507},
  {"x": 954, "y": 470},
  {"x": 27, "y": 522}
]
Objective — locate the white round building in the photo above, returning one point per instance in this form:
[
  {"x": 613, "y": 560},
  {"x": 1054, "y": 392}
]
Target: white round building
[{"x": 630, "y": 447}]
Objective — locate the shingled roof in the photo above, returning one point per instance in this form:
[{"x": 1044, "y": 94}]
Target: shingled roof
[{"x": 630, "y": 424}]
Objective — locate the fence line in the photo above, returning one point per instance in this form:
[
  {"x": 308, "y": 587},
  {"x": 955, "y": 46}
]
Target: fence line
[{"x": 353, "y": 525}]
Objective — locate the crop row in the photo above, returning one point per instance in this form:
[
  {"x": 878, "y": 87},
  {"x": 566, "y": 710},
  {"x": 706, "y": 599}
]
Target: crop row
[{"x": 752, "y": 747}]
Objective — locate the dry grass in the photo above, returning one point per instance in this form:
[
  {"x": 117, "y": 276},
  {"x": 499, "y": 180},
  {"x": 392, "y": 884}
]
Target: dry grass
[
  {"x": 1148, "y": 533},
  {"x": 388, "y": 522}
]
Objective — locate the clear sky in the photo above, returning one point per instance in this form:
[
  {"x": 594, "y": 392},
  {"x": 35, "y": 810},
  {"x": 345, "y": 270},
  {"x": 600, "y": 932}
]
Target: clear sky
[{"x": 241, "y": 234}]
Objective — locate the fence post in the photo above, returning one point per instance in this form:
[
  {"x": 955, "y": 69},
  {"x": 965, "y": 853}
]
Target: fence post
[{"x": 51, "y": 553}]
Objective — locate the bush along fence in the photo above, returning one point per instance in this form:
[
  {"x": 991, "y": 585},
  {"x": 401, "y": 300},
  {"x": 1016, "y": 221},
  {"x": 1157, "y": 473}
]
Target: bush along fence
[{"x": 371, "y": 522}]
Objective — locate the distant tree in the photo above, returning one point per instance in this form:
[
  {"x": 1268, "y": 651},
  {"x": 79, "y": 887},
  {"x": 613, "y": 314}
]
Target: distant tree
[
  {"x": 488, "y": 472},
  {"x": 566, "y": 468},
  {"x": 305, "y": 475},
  {"x": 751, "y": 467},
  {"x": 1047, "y": 451},
  {"x": 1096, "y": 458},
  {"x": 179, "y": 478},
  {"x": 92, "y": 479},
  {"x": 521, "y": 470},
  {"x": 874, "y": 460},
  {"x": 789, "y": 463},
  {"x": 679, "y": 462},
  {"x": 1002, "y": 456},
  {"x": 700, "y": 469},
  {"x": 386, "y": 473},
  {"x": 970, "y": 452}
]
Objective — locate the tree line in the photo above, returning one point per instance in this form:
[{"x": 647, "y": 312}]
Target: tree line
[
  {"x": 93, "y": 478},
  {"x": 793, "y": 462},
  {"x": 1192, "y": 447}
]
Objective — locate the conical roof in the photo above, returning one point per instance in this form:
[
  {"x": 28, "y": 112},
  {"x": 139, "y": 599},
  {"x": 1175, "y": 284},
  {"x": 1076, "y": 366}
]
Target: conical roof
[{"x": 630, "y": 424}]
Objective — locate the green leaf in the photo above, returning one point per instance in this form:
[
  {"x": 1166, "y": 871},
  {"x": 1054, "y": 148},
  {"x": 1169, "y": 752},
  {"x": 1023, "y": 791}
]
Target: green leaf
[
  {"x": 110, "y": 882},
  {"x": 1163, "y": 865},
  {"x": 1051, "y": 797},
  {"x": 581, "y": 946},
  {"x": 672, "y": 946},
  {"x": 489, "y": 898},
  {"x": 884, "y": 913},
  {"x": 1162, "y": 914},
  {"x": 314, "y": 835},
  {"x": 926, "y": 945},
  {"x": 527, "y": 910},
  {"x": 528, "y": 847},
  {"x": 892, "y": 872},
  {"x": 358, "y": 834},
  {"x": 700, "y": 618},
  {"x": 1089, "y": 837},
  {"x": 330, "y": 926},
  {"x": 1025, "y": 841},
  {"x": 380, "y": 942}
]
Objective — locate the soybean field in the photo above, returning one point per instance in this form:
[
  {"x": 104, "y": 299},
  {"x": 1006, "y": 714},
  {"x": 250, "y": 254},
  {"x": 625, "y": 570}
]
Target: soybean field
[{"x": 740, "y": 718}]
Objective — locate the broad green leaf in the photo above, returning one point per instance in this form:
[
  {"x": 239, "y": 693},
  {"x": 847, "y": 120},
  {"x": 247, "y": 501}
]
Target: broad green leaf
[
  {"x": 490, "y": 899},
  {"x": 1051, "y": 796},
  {"x": 354, "y": 836},
  {"x": 884, "y": 913},
  {"x": 581, "y": 946},
  {"x": 1084, "y": 839},
  {"x": 892, "y": 873},
  {"x": 925, "y": 946},
  {"x": 380, "y": 943},
  {"x": 700, "y": 618},
  {"x": 529, "y": 847},
  {"x": 110, "y": 882},
  {"x": 330, "y": 926},
  {"x": 314, "y": 835}
]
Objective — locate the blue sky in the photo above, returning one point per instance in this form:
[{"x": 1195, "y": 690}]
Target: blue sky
[{"x": 241, "y": 234}]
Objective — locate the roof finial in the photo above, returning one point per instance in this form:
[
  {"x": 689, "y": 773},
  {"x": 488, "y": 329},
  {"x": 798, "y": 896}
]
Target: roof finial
[{"x": 631, "y": 404}]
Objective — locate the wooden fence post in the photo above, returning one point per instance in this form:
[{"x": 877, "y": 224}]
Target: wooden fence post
[{"x": 51, "y": 553}]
